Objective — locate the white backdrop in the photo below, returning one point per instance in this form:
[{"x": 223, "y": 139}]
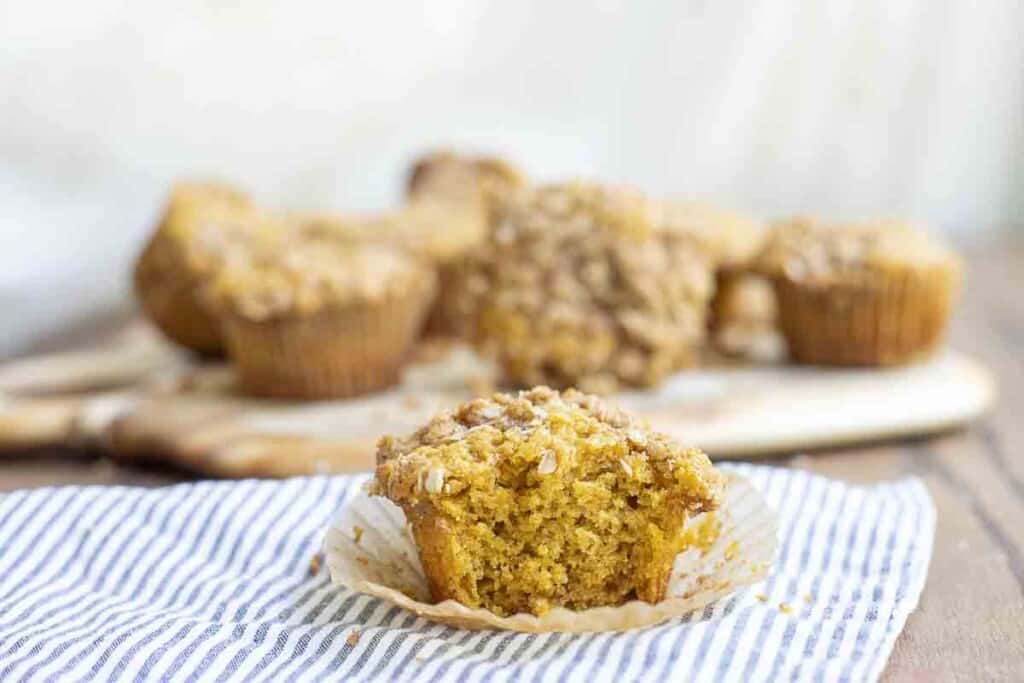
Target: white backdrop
[{"x": 849, "y": 107}]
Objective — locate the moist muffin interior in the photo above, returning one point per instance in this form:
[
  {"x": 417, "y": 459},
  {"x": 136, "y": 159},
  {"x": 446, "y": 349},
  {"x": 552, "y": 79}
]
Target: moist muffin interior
[{"x": 521, "y": 503}]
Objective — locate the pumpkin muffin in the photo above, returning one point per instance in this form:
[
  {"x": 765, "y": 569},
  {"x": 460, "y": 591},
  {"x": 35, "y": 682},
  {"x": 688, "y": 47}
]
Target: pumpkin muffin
[
  {"x": 579, "y": 287},
  {"x": 743, "y": 300},
  {"x": 521, "y": 503},
  {"x": 454, "y": 200},
  {"x": 198, "y": 222},
  {"x": 313, "y": 318},
  {"x": 871, "y": 294}
]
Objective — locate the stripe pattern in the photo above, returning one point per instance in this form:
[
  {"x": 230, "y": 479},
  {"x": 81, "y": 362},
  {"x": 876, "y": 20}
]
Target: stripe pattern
[{"x": 213, "y": 581}]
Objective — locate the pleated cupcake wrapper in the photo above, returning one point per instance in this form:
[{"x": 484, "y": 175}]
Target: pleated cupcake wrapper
[
  {"x": 332, "y": 354},
  {"x": 900, "y": 318},
  {"x": 369, "y": 549}
]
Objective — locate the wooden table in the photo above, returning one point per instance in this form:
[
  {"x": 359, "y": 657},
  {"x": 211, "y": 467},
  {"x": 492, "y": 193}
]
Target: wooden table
[{"x": 970, "y": 624}]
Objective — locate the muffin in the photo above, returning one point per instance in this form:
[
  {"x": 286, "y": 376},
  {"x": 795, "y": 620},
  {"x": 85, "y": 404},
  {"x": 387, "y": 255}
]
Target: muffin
[
  {"x": 521, "y": 503},
  {"x": 311, "y": 318},
  {"x": 463, "y": 178},
  {"x": 579, "y": 287},
  {"x": 743, "y": 300},
  {"x": 452, "y": 202},
  {"x": 186, "y": 246},
  {"x": 869, "y": 294}
]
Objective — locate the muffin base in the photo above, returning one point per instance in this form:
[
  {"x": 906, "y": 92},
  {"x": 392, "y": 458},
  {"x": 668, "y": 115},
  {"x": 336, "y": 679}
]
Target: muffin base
[
  {"x": 368, "y": 546},
  {"x": 896, "y": 319},
  {"x": 339, "y": 353}
]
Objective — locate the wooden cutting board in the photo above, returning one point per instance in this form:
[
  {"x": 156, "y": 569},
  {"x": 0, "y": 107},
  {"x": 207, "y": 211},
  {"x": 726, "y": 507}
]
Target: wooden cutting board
[{"x": 140, "y": 399}]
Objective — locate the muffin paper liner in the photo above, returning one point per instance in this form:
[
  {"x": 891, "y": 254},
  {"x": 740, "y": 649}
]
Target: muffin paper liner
[
  {"x": 899, "y": 318},
  {"x": 369, "y": 549},
  {"x": 333, "y": 354}
]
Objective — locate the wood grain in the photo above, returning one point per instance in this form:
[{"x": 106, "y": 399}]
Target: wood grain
[{"x": 970, "y": 624}]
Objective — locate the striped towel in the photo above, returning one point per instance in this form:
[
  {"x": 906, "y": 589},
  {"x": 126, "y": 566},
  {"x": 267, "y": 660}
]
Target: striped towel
[{"x": 214, "y": 581}]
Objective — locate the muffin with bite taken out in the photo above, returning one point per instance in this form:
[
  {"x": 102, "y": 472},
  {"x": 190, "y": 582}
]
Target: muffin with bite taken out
[{"x": 524, "y": 502}]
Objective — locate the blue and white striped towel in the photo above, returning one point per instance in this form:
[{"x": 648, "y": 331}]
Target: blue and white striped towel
[{"x": 212, "y": 581}]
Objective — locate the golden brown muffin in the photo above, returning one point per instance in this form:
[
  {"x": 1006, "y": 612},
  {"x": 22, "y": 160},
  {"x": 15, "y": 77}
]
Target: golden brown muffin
[
  {"x": 315, "y": 318},
  {"x": 733, "y": 241},
  {"x": 201, "y": 225},
  {"x": 860, "y": 294},
  {"x": 463, "y": 178},
  {"x": 578, "y": 287},
  {"x": 453, "y": 200},
  {"x": 521, "y": 503}
]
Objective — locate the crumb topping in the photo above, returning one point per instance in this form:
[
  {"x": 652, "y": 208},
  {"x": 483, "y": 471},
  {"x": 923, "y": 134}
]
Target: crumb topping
[
  {"x": 431, "y": 460},
  {"x": 208, "y": 224},
  {"x": 290, "y": 276},
  {"x": 807, "y": 250}
]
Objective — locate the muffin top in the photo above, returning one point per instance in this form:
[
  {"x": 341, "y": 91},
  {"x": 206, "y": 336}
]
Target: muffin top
[
  {"x": 514, "y": 441},
  {"x": 452, "y": 199},
  {"x": 434, "y": 228},
  {"x": 295, "y": 275},
  {"x": 578, "y": 287},
  {"x": 810, "y": 251},
  {"x": 731, "y": 239},
  {"x": 456, "y": 176},
  {"x": 209, "y": 223}
]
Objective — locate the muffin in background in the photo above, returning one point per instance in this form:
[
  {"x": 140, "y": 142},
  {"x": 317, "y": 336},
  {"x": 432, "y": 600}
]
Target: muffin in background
[
  {"x": 731, "y": 239},
  {"x": 870, "y": 294},
  {"x": 453, "y": 201},
  {"x": 578, "y": 286},
  {"x": 461, "y": 178},
  {"x": 742, "y": 309},
  {"x": 199, "y": 222},
  {"x": 314, "y": 318},
  {"x": 522, "y": 503}
]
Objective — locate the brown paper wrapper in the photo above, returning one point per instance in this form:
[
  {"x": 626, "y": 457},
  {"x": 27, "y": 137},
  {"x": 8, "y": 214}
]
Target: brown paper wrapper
[
  {"x": 369, "y": 549},
  {"x": 898, "y": 318},
  {"x": 337, "y": 353}
]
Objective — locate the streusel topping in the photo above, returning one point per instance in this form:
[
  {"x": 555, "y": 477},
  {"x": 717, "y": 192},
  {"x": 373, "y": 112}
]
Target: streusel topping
[
  {"x": 301, "y": 276},
  {"x": 466, "y": 439},
  {"x": 210, "y": 223},
  {"x": 807, "y": 250}
]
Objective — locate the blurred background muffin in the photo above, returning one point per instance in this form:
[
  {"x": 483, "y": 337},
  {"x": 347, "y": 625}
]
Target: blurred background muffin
[
  {"x": 310, "y": 318},
  {"x": 860, "y": 293},
  {"x": 472, "y": 191},
  {"x": 578, "y": 287},
  {"x": 201, "y": 223},
  {"x": 742, "y": 310}
]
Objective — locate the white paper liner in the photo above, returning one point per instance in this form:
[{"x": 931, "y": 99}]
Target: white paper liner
[{"x": 369, "y": 549}]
